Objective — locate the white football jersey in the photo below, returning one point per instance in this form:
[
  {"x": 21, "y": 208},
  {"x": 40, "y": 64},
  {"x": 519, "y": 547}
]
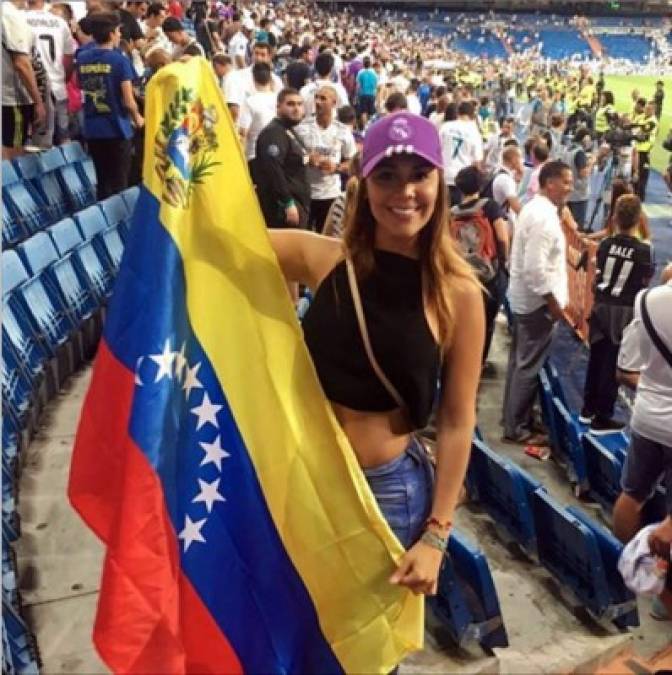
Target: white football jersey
[
  {"x": 53, "y": 41},
  {"x": 461, "y": 146}
]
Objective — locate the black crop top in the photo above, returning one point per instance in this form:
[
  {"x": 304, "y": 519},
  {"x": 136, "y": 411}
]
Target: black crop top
[{"x": 401, "y": 339}]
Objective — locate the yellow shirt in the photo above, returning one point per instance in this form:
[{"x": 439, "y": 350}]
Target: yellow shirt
[
  {"x": 586, "y": 95},
  {"x": 650, "y": 129}
]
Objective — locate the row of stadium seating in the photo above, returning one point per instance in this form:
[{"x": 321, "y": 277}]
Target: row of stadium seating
[
  {"x": 633, "y": 47},
  {"x": 56, "y": 279}
]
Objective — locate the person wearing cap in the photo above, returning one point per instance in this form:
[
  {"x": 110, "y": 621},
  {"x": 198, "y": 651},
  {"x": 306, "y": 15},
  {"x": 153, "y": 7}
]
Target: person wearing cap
[
  {"x": 421, "y": 318},
  {"x": 183, "y": 43},
  {"x": 105, "y": 76}
]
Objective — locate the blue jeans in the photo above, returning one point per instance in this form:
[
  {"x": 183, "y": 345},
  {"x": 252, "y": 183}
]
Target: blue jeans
[{"x": 403, "y": 489}]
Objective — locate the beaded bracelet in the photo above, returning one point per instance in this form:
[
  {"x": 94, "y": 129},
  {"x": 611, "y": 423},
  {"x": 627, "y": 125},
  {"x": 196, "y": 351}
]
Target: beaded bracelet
[
  {"x": 435, "y": 522},
  {"x": 434, "y": 541}
]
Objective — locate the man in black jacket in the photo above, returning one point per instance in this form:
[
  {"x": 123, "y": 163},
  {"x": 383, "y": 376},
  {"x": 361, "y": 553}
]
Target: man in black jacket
[{"x": 279, "y": 167}]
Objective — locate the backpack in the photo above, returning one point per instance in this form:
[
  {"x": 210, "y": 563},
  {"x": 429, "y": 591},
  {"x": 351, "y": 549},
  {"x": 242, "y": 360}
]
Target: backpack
[
  {"x": 472, "y": 231},
  {"x": 487, "y": 189}
]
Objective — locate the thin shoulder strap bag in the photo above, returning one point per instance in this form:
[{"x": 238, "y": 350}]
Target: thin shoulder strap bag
[
  {"x": 653, "y": 334},
  {"x": 359, "y": 311}
]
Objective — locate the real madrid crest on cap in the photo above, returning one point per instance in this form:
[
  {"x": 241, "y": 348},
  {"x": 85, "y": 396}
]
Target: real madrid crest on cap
[{"x": 400, "y": 130}]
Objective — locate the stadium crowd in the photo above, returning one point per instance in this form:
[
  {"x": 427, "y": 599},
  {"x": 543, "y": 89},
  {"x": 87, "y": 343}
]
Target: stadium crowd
[{"x": 520, "y": 142}]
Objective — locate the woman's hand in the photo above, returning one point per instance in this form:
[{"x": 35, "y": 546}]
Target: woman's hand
[{"x": 419, "y": 569}]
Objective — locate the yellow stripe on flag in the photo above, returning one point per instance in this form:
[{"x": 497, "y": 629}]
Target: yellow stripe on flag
[{"x": 240, "y": 311}]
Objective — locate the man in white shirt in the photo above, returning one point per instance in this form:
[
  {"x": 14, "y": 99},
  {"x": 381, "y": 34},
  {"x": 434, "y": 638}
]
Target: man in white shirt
[
  {"x": 151, "y": 27},
  {"x": 496, "y": 142},
  {"x": 330, "y": 147},
  {"x": 505, "y": 184},
  {"x": 55, "y": 46},
  {"x": 324, "y": 64},
  {"x": 462, "y": 146},
  {"x": 240, "y": 83},
  {"x": 258, "y": 109},
  {"x": 237, "y": 47},
  {"x": 647, "y": 367},
  {"x": 538, "y": 294}
]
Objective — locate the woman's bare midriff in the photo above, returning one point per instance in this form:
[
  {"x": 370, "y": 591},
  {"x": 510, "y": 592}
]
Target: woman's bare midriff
[{"x": 376, "y": 437}]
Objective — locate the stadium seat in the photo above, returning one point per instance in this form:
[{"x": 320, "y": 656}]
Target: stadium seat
[
  {"x": 50, "y": 160},
  {"x": 19, "y": 641},
  {"x": 603, "y": 467},
  {"x": 13, "y": 272},
  {"x": 79, "y": 191},
  {"x": 548, "y": 411},
  {"x": 466, "y": 603},
  {"x": 115, "y": 210},
  {"x": 503, "y": 489},
  {"x": 65, "y": 235},
  {"x": 622, "y": 609},
  {"x": 73, "y": 152},
  {"x": 27, "y": 166},
  {"x": 570, "y": 551},
  {"x": 96, "y": 269},
  {"x": 9, "y": 174},
  {"x": 16, "y": 391},
  {"x": 25, "y": 208},
  {"x": 50, "y": 188},
  {"x": 90, "y": 221},
  {"x": 37, "y": 253},
  {"x": 88, "y": 171},
  {"x": 130, "y": 196},
  {"x": 569, "y": 445},
  {"x": 113, "y": 245}
]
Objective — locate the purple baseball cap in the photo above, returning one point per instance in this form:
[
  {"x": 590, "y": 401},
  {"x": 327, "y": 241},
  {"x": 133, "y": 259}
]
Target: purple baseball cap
[{"x": 401, "y": 133}]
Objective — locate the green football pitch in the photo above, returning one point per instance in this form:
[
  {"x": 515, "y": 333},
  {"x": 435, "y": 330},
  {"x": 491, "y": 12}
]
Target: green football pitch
[{"x": 622, "y": 85}]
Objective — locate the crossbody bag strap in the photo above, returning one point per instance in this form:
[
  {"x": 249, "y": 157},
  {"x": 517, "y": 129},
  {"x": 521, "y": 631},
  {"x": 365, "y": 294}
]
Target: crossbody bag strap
[
  {"x": 359, "y": 311},
  {"x": 653, "y": 334}
]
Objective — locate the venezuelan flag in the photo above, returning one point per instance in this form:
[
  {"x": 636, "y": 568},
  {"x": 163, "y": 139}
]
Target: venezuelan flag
[{"x": 241, "y": 534}]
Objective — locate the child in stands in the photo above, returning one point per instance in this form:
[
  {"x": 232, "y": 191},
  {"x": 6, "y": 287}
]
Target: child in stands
[{"x": 624, "y": 267}]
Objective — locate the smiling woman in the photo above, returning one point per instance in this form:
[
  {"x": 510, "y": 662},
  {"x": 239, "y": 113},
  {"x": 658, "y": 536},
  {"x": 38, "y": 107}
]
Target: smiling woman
[{"x": 395, "y": 308}]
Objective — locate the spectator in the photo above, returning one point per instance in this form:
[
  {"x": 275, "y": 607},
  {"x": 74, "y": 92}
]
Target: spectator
[
  {"x": 280, "y": 166},
  {"x": 299, "y": 69},
  {"x": 504, "y": 184},
  {"x": 538, "y": 294},
  {"x": 495, "y": 146},
  {"x": 183, "y": 43},
  {"x": 658, "y": 98},
  {"x": 130, "y": 21},
  {"x": 22, "y": 104},
  {"x": 645, "y": 364},
  {"x": 223, "y": 66},
  {"x": 482, "y": 232},
  {"x": 258, "y": 109},
  {"x": 367, "y": 87},
  {"x": 330, "y": 147},
  {"x": 240, "y": 40},
  {"x": 539, "y": 156},
  {"x": 342, "y": 206},
  {"x": 581, "y": 164},
  {"x": 324, "y": 64},
  {"x": 240, "y": 83},
  {"x": 624, "y": 267},
  {"x": 106, "y": 76},
  {"x": 461, "y": 145},
  {"x": 646, "y": 132},
  {"x": 155, "y": 38}
]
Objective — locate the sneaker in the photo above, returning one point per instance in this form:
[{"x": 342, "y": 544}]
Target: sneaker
[
  {"x": 659, "y": 611},
  {"x": 585, "y": 416},
  {"x": 602, "y": 427}
]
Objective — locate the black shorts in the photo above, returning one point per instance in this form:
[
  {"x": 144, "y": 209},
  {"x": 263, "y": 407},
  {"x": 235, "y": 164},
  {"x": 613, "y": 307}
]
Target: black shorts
[
  {"x": 16, "y": 121},
  {"x": 646, "y": 463},
  {"x": 366, "y": 105}
]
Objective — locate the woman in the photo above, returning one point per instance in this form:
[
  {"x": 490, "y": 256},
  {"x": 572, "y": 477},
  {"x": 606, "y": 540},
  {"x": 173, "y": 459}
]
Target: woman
[{"x": 423, "y": 310}]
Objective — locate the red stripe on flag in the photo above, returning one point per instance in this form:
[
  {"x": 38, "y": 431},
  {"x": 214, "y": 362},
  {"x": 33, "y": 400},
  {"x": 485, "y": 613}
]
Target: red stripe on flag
[{"x": 150, "y": 619}]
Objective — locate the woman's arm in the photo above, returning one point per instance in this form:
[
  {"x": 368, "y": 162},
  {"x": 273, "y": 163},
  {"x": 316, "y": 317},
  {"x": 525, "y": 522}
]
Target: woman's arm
[
  {"x": 419, "y": 568},
  {"x": 305, "y": 257}
]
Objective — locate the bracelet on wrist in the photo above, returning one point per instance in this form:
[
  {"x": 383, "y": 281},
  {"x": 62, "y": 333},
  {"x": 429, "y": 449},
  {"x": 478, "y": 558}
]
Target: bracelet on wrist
[
  {"x": 434, "y": 540},
  {"x": 437, "y": 524}
]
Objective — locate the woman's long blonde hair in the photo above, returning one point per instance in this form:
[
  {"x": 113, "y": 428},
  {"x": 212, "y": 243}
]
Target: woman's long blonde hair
[{"x": 444, "y": 269}]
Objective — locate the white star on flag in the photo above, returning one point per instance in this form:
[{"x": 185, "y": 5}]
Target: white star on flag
[
  {"x": 138, "y": 381},
  {"x": 165, "y": 362},
  {"x": 191, "y": 532},
  {"x": 208, "y": 494},
  {"x": 191, "y": 381},
  {"x": 180, "y": 361},
  {"x": 214, "y": 453},
  {"x": 206, "y": 412}
]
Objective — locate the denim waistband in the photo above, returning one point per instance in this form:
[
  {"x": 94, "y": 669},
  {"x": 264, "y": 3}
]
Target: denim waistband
[{"x": 414, "y": 452}]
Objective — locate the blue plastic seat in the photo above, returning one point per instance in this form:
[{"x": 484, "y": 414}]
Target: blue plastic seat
[
  {"x": 9, "y": 174},
  {"x": 88, "y": 170},
  {"x": 73, "y": 152},
  {"x": 96, "y": 270},
  {"x": 569, "y": 550},
  {"x": 13, "y": 272},
  {"x": 73, "y": 287},
  {"x": 503, "y": 490},
  {"x": 27, "y": 166},
  {"x": 91, "y": 221},
  {"x": 37, "y": 253},
  {"x": 622, "y": 608},
  {"x": 12, "y": 230},
  {"x": 115, "y": 210},
  {"x": 604, "y": 469},
  {"x": 466, "y": 602},
  {"x": 50, "y": 187},
  {"x": 569, "y": 445},
  {"x": 65, "y": 235},
  {"x": 26, "y": 206},
  {"x": 130, "y": 196},
  {"x": 50, "y": 160},
  {"x": 16, "y": 390},
  {"x": 20, "y": 642},
  {"x": 113, "y": 246},
  {"x": 79, "y": 191}
]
